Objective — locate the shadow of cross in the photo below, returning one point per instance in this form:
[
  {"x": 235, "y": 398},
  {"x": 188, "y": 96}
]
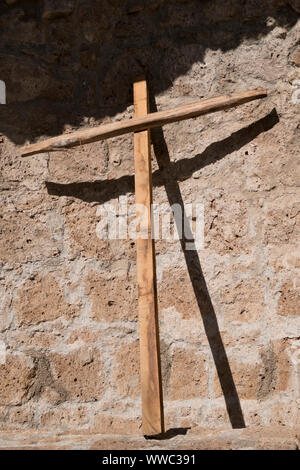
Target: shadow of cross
[{"x": 151, "y": 383}]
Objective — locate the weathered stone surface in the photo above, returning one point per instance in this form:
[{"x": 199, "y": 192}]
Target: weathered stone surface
[
  {"x": 80, "y": 374},
  {"x": 295, "y": 55},
  {"x": 25, "y": 239},
  {"x": 20, "y": 417},
  {"x": 176, "y": 291},
  {"x": 280, "y": 365},
  {"x": 81, "y": 231},
  {"x": 287, "y": 364},
  {"x": 85, "y": 335},
  {"x": 84, "y": 164},
  {"x": 65, "y": 417},
  {"x": 125, "y": 377},
  {"x": 50, "y": 395},
  {"x": 106, "y": 424},
  {"x": 269, "y": 374},
  {"x": 275, "y": 437},
  {"x": 17, "y": 376},
  {"x": 227, "y": 226},
  {"x": 283, "y": 258},
  {"x": 289, "y": 300},
  {"x": 244, "y": 302},
  {"x": 282, "y": 223},
  {"x": 246, "y": 377},
  {"x": 42, "y": 340},
  {"x": 81, "y": 225},
  {"x": 188, "y": 375},
  {"x": 28, "y": 83},
  {"x": 41, "y": 299},
  {"x": 112, "y": 299},
  {"x": 282, "y": 413}
]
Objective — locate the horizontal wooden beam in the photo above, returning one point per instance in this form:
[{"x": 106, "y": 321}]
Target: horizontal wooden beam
[{"x": 85, "y": 136}]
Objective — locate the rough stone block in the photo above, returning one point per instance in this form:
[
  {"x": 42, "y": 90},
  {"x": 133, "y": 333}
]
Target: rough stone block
[
  {"x": 125, "y": 377},
  {"x": 188, "y": 375},
  {"x": 16, "y": 378},
  {"x": 81, "y": 164},
  {"x": 244, "y": 302},
  {"x": 40, "y": 300},
  {"x": 289, "y": 300},
  {"x": 65, "y": 417},
  {"x": 176, "y": 291},
  {"x": 112, "y": 299},
  {"x": 227, "y": 226},
  {"x": 80, "y": 374},
  {"x": 246, "y": 377},
  {"x": 25, "y": 239}
]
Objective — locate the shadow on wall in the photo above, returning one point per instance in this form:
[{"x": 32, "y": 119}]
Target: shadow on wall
[
  {"x": 63, "y": 61},
  {"x": 198, "y": 282},
  {"x": 168, "y": 175},
  {"x": 104, "y": 190},
  {"x": 62, "y": 65}
]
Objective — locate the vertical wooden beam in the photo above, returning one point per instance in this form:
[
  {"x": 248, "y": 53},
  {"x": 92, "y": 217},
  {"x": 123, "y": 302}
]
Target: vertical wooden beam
[{"x": 151, "y": 385}]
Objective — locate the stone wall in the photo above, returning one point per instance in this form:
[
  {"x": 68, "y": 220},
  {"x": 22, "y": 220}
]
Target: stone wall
[{"x": 229, "y": 313}]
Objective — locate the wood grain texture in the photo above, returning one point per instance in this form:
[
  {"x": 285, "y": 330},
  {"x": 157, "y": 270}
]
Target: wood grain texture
[
  {"x": 138, "y": 123},
  {"x": 151, "y": 385}
]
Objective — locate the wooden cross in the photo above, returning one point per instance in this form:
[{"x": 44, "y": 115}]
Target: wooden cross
[{"x": 150, "y": 369}]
